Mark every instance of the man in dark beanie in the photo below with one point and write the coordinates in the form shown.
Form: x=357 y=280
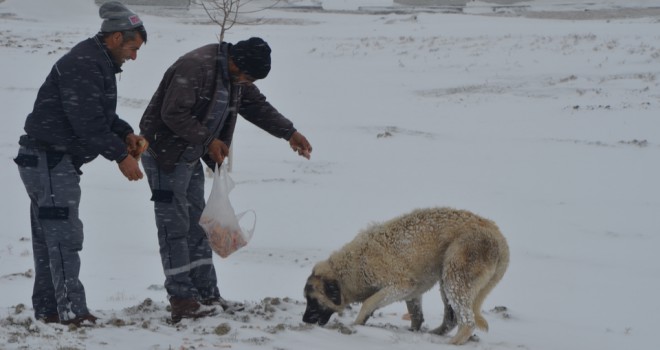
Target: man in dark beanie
x=252 y=57
x=191 y=117
x=73 y=122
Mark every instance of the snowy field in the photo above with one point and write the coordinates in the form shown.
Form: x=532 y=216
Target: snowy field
x=547 y=124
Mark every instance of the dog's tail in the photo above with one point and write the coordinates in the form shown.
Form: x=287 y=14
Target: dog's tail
x=498 y=273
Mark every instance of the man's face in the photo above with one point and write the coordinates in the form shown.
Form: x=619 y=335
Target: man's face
x=242 y=79
x=237 y=77
x=125 y=50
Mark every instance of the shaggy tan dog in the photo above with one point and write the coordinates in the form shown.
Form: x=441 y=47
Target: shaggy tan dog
x=403 y=258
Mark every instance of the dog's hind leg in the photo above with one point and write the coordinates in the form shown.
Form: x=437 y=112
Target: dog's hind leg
x=449 y=321
x=460 y=297
x=468 y=269
x=416 y=315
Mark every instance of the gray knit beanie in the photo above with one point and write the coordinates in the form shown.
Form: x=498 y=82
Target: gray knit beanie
x=117 y=18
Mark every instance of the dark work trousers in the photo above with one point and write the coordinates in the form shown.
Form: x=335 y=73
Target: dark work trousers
x=53 y=186
x=187 y=258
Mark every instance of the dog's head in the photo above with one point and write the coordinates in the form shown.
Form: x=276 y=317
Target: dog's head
x=323 y=297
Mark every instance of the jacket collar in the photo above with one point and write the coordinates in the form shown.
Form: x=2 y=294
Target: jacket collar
x=223 y=64
x=98 y=39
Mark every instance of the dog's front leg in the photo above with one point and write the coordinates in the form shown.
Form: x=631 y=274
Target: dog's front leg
x=383 y=297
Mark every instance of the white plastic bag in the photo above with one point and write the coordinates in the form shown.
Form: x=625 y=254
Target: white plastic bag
x=218 y=219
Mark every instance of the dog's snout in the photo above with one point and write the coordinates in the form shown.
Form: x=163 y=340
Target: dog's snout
x=311 y=316
x=310 y=319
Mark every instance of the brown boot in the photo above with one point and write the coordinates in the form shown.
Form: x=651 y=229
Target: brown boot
x=189 y=308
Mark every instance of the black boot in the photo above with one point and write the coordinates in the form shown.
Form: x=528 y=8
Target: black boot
x=81 y=320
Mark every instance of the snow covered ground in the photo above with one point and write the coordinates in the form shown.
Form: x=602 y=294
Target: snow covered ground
x=547 y=126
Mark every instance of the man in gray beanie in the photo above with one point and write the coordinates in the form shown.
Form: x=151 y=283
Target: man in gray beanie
x=191 y=117
x=121 y=25
x=118 y=18
x=73 y=121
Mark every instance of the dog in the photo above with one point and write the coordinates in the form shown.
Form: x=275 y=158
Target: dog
x=403 y=258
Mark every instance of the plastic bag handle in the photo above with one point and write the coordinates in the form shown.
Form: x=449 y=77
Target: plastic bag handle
x=249 y=232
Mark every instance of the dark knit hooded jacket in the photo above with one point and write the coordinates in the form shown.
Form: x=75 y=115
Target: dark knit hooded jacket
x=75 y=109
x=196 y=102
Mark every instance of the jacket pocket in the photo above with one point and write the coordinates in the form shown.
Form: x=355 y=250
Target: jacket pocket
x=167 y=149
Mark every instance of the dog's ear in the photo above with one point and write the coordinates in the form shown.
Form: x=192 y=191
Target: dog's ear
x=331 y=289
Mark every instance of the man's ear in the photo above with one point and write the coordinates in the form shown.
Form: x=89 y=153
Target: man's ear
x=114 y=40
x=233 y=68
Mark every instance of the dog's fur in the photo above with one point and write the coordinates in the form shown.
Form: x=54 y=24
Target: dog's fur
x=403 y=258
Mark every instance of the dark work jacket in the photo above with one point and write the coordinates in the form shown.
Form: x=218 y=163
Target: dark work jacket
x=196 y=102
x=75 y=108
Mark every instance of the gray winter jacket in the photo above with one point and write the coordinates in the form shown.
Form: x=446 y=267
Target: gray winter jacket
x=196 y=102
